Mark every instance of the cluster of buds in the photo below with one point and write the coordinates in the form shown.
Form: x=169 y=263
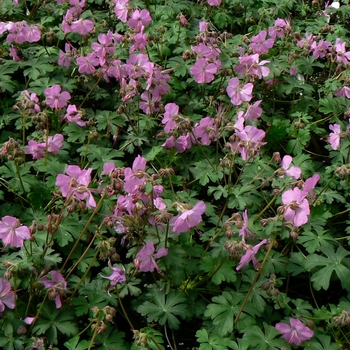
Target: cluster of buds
x=270 y=286
x=343 y=170
x=101 y=316
x=343 y=320
x=235 y=249
x=140 y=338
x=11 y=150
x=53 y=222
x=107 y=251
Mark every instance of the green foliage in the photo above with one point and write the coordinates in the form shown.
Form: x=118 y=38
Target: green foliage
x=164 y=308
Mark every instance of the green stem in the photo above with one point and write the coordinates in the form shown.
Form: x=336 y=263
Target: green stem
x=99 y=204
x=124 y=312
x=255 y=280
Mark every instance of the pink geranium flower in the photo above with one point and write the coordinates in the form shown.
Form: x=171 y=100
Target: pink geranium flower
x=55 y=98
x=146 y=258
x=343 y=91
x=334 y=137
x=214 y=2
x=135 y=176
x=250 y=255
x=292 y=171
x=82 y=26
x=239 y=94
x=189 y=218
x=251 y=140
x=117 y=276
x=7 y=296
x=12 y=233
x=245 y=231
x=56 y=286
x=54 y=143
x=170 y=116
x=37 y=150
x=296 y=333
x=296 y=206
x=260 y=44
x=74 y=115
x=75 y=184
x=342 y=55
x=203 y=71
x=121 y=9
x=139 y=19
x=205 y=130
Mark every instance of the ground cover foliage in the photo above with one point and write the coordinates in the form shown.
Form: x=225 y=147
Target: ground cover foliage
x=174 y=174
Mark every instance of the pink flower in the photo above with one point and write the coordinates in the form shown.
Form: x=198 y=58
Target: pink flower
x=310 y=184
x=296 y=206
x=56 y=286
x=87 y=64
x=182 y=143
x=37 y=150
x=342 y=55
x=244 y=231
x=140 y=42
x=65 y=58
x=203 y=71
x=30 y=33
x=74 y=115
x=205 y=130
x=170 y=116
x=253 y=111
x=203 y=26
x=250 y=255
x=238 y=94
x=135 y=176
x=30 y=101
x=14 y=54
x=251 y=140
x=12 y=232
x=82 y=26
x=251 y=65
x=139 y=19
x=334 y=137
x=292 y=171
x=189 y=218
x=76 y=184
x=117 y=276
x=55 y=143
x=121 y=9
x=296 y=333
x=54 y=98
x=146 y=259
x=321 y=49
x=214 y=2
x=260 y=44
x=277 y=31
x=343 y=91
x=7 y=296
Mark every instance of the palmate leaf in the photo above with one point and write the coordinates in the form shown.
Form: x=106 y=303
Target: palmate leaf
x=164 y=308
x=54 y=321
x=333 y=262
x=220 y=269
x=225 y=308
x=111 y=340
x=264 y=340
x=213 y=341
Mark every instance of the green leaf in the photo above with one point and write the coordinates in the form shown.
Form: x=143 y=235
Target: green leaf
x=221 y=269
x=333 y=262
x=54 y=321
x=205 y=173
x=164 y=308
x=224 y=309
x=264 y=340
x=74 y=344
x=213 y=341
x=111 y=340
